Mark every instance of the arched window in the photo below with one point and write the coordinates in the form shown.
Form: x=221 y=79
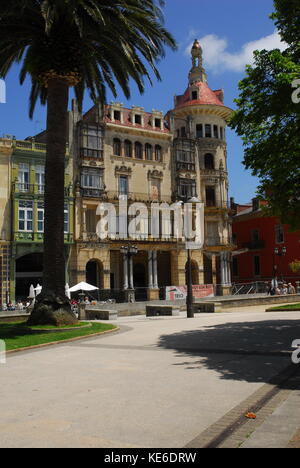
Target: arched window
x=128 y=149
x=117 y=147
x=148 y=151
x=158 y=153
x=138 y=150
x=209 y=161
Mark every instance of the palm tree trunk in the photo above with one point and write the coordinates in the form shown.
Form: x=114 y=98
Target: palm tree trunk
x=52 y=305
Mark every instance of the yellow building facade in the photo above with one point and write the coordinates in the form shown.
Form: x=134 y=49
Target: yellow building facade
x=131 y=156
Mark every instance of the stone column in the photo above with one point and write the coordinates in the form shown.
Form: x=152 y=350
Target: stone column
x=125 y=271
x=131 y=285
x=155 y=281
x=84 y=233
x=150 y=269
x=225 y=274
x=153 y=291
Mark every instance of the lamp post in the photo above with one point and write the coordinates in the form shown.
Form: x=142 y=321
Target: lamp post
x=189 y=296
x=280 y=251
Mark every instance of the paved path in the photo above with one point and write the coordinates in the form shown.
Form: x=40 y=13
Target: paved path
x=160 y=382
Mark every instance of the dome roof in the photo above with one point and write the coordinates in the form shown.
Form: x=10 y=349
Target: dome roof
x=206 y=96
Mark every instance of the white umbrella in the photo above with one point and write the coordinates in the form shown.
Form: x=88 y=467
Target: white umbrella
x=82 y=287
x=68 y=294
x=38 y=289
x=31 y=292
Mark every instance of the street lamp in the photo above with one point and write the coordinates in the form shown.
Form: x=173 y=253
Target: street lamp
x=189 y=296
x=281 y=253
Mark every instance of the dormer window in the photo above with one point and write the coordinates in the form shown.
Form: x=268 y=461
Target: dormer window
x=138 y=119
x=117 y=115
x=194 y=95
x=157 y=123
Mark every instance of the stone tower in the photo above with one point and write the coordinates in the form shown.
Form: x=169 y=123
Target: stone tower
x=198 y=122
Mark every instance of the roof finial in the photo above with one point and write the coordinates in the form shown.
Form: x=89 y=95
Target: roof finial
x=197 y=72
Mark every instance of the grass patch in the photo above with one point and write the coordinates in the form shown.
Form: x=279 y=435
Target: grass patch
x=52 y=327
x=16 y=335
x=285 y=307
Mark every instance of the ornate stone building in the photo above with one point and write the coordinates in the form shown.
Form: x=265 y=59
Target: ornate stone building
x=144 y=157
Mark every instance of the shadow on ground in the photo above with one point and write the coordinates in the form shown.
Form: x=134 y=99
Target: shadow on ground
x=249 y=351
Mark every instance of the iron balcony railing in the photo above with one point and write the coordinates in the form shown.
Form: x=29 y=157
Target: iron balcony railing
x=24 y=187
x=215 y=241
x=91 y=153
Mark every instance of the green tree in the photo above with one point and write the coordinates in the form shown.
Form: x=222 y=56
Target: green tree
x=268 y=119
x=90 y=45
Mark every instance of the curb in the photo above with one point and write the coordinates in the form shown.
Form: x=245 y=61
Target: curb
x=69 y=340
x=231 y=430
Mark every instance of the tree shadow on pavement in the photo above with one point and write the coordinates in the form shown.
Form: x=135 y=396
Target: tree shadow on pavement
x=249 y=351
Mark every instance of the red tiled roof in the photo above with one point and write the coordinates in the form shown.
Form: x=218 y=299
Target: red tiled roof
x=206 y=96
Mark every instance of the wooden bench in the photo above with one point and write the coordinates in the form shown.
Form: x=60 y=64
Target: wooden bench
x=160 y=310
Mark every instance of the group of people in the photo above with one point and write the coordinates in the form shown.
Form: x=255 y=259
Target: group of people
x=280 y=289
x=20 y=305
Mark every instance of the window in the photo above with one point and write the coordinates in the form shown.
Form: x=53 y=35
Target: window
x=157 y=123
x=209 y=161
x=25 y=216
x=210 y=196
x=117 y=147
x=117 y=115
x=256 y=265
x=92 y=178
x=148 y=151
x=186 y=188
x=138 y=119
x=23 y=177
x=40 y=178
x=158 y=153
x=216 y=133
x=208 y=131
x=128 y=149
x=66 y=219
x=279 y=234
x=138 y=150
x=40 y=217
x=255 y=235
x=123 y=185
x=194 y=95
x=199 y=131
x=235 y=266
x=92 y=141
x=183 y=132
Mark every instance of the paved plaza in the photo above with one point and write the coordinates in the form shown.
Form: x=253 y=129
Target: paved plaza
x=165 y=382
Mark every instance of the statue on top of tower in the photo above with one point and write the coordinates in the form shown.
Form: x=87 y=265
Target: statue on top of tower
x=197 y=73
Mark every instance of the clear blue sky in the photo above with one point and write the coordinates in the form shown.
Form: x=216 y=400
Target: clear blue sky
x=228 y=29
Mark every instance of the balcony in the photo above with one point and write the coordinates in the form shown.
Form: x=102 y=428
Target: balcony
x=91 y=192
x=185 y=166
x=215 y=205
x=86 y=153
x=33 y=146
x=34 y=189
x=218 y=241
x=138 y=197
x=23 y=236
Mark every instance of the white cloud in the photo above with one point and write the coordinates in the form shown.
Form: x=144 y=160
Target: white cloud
x=217 y=58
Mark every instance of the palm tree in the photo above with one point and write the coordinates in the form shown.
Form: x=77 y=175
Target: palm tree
x=88 y=45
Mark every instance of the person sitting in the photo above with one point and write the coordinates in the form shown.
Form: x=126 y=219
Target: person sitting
x=86 y=300
x=291 y=289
